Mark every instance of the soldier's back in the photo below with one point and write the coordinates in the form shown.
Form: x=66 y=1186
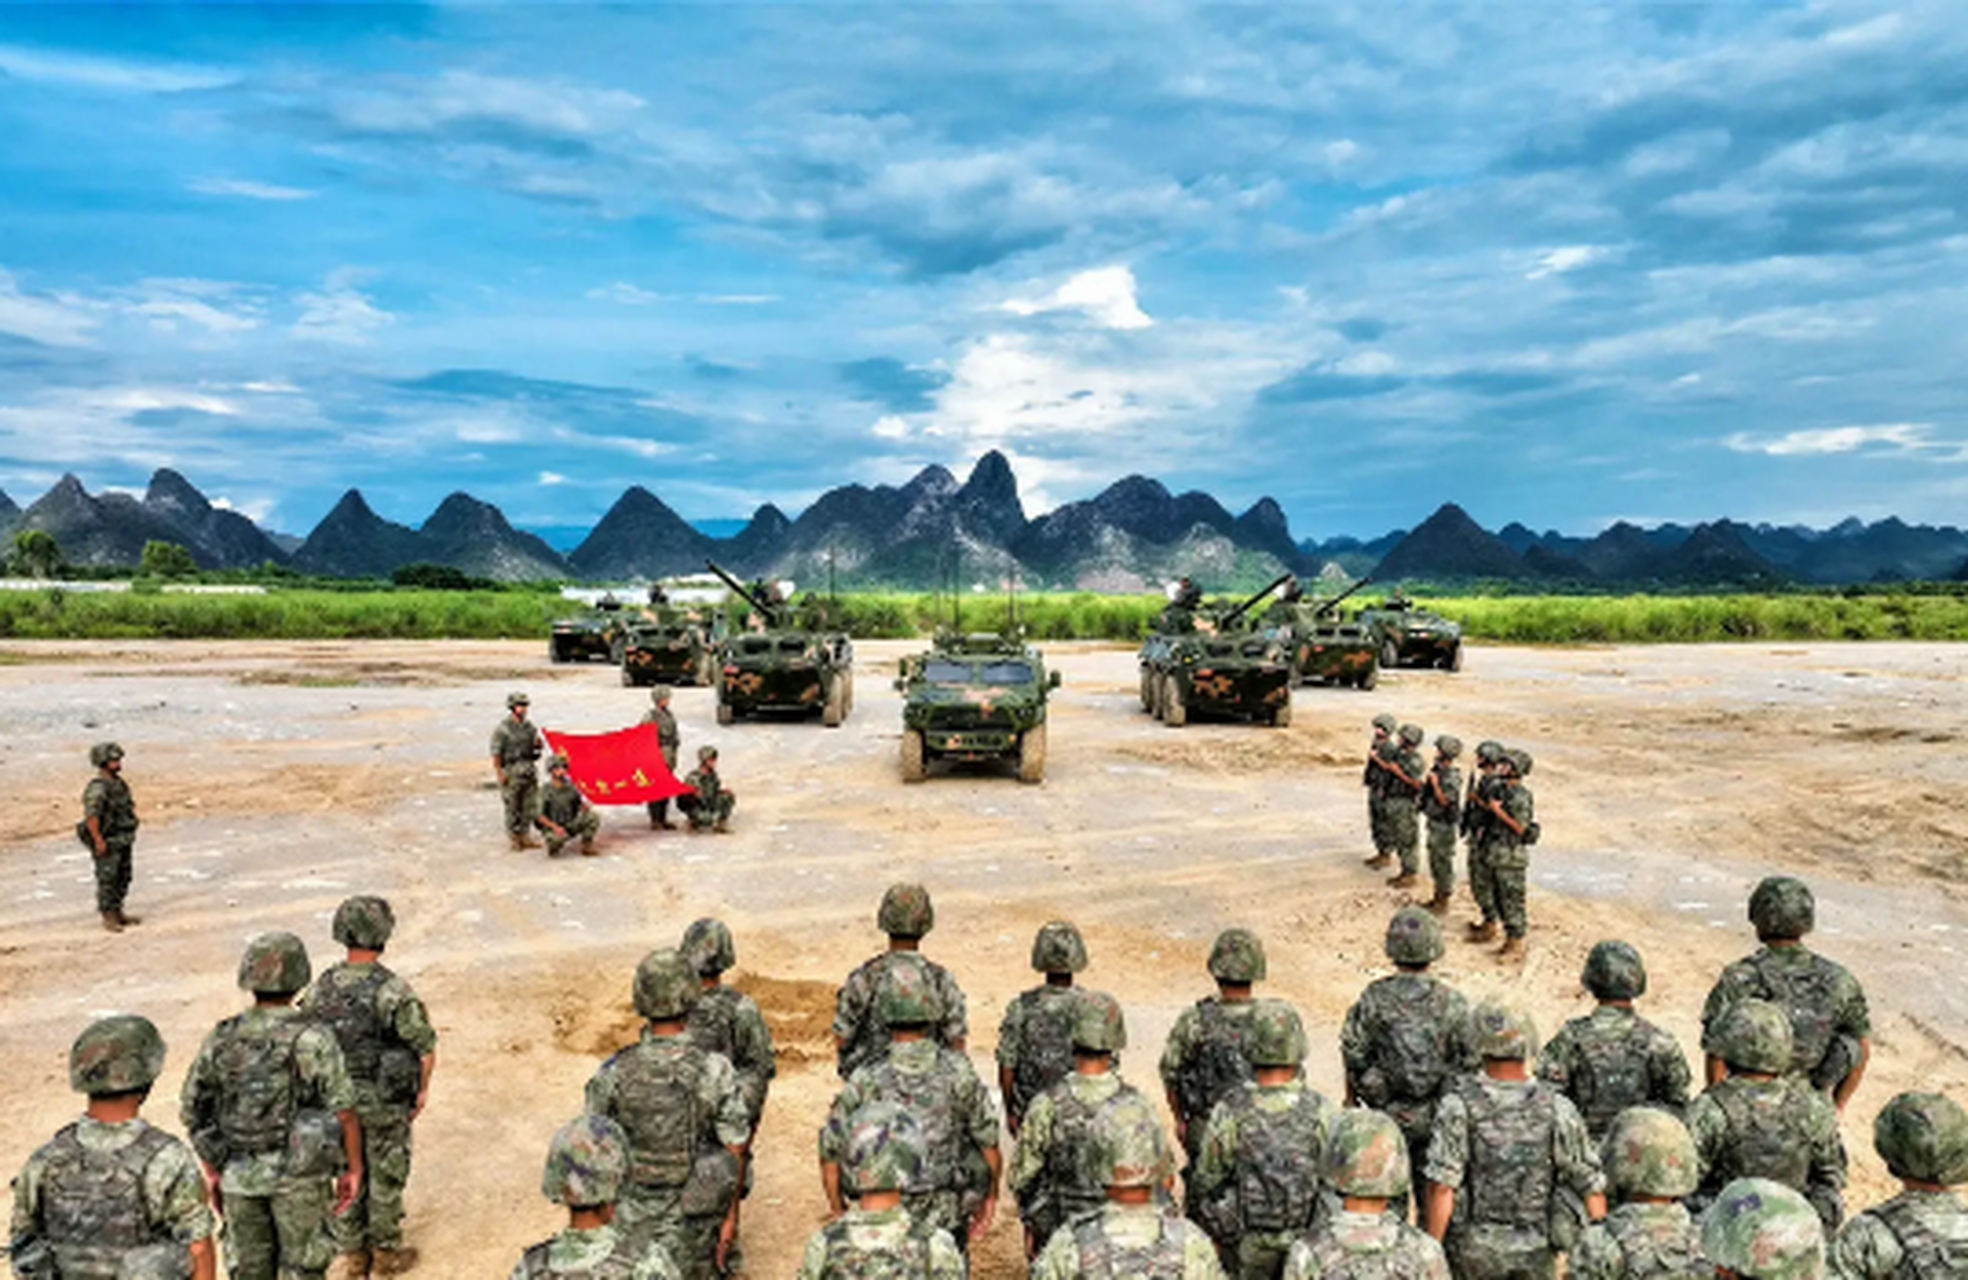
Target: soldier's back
x=1642 y=1242
x=1613 y=1059
x=859 y=1030
x=600 y=1253
x=1129 y=1243
x=1364 y=1246
x=1035 y=1043
x=110 y=1200
x=884 y=1245
x=1917 y=1235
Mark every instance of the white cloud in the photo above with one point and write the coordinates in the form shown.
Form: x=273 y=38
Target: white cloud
x=1893 y=437
x=58 y=320
x=258 y=510
x=78 y=71
x=271 y=387
x=890 y=427
x=145 y=399
x=1570 y=258
x=625 y=293
x=1105 y=295
x=737 y=299
x=340 y=312
x=248 y=190
x=552 y=478
x=167 y=313
x=1366 y=364
x=463 y=97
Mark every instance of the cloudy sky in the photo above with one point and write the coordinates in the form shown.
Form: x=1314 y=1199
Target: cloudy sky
x=1559 y=263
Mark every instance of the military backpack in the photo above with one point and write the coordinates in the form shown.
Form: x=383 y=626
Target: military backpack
x=1647 y=1256
x=258 y=1104
x=620 y=1264
x=1924 y=1253
x=931 y=1097
x=1278 y=1177
x=713 y=1025
x=1609 y=1073
x=1214 y=1066
x=345 y=998
x=1104 y=1258
x=848 y=1259
x=92 y=1209
x=1045 y=1053
x=656 y=1101
x=1766 y=1139
x=1805 y=995
x=1408 y=1050
x=1334 y=1261
x=1511 y=1172
x=1069 y=1185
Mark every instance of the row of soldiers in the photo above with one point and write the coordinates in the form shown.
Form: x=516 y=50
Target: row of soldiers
x=1495 y=815
x=1277 y=1180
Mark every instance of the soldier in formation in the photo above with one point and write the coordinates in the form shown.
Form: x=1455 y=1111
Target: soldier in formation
x=109 y=1195
x=906 y=915
x=1404 y=782
x=1130 y=1235
x=1613 y=1058
x=1205 y=1056
x=1763 y=1230
x=1035 y=1039
x=1648 y=1235
x=1922 y=1233
x=1441 y=805
x=516 y=750
x=882 y=1155
x=271 y=1112
x=708 y=803
x=109 y=829
x=389 y=1049
x=1509 y=830
x=564 y=813
x=1365 y=1162
x=587 y=1166
x=1483 y=788
x=668 y=740
x=725 y=1020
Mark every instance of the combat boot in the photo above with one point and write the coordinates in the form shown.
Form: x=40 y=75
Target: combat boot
x=1438 y=905
x=113 y=921
x=587 y=847
x=1512 y=949
x=1406 y=880
x=353 y=1265
x=393 y=1262
x=126 y=918
x=518 y=842
x=1380 y=860
x=1486 y=931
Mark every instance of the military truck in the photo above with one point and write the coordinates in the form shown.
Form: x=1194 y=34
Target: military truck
x=1213 y=660
x=975 y=697
x=588 y=635
x=1326 y=647
x=773 y=663
x=668 y=644
x=1408 y=636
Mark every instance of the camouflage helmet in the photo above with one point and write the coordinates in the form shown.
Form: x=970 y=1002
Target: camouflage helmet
x=1412 y=734
x=1386 y=723
x=517 y=699
x=885 y=1149
x=1059 y=948
x=1923 y=1137
x=1098 y=1023
x=707 y=945
x=1129 y=1147
x=587 y=1162
x=116 y=1055
x=1504 y=1030
x=1783 y=907
x=558 y=760
x=1414 y=937
x=103 y=752
x=907 y=997
x=1366 y=1156
x=275 y=964
x=906 y=912
x=1237 y=957
x=1449 y=745
x=1615 y=971
x=1274 y=1036
x=707 y=752
x=1764 y=1229
x=666 y=986
x=1753 y=1035
x=661 y=694
x=1520 y=761
x=1650 y=1153
x=1489 y=751
x=364 y=921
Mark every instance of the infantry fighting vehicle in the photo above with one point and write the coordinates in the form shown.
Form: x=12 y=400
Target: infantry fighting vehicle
x=779 y=660
x=669 y=644
x=1213 y=661
x=1412 y=637
x=975 y=697
x=584 y=636
x=1326 y=647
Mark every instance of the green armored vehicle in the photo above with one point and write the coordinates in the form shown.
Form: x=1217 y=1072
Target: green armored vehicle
x=1326 y=647
x=667 y=644
x=1412 y=637
x=973 y=698
x=585 y=636
x=779 y=662
x=1209 y=659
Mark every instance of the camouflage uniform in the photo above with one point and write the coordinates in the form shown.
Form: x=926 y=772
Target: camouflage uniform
x=110 y=1199
x=884 y=1151
x=1613 y=1058
x=1051 y=1171
x=727 y=1021
x=1403 y=800
x=562 y=804
x=906 y=912
x=1129 y=1240
x=1366 y=1158
x=107 y=799
x=1204 y=1056
x=1478 y=825
x=1648 y=1153
x=1374 y=779
x=709 y=805
x=585 y=1167
x=1444 y=816
x=1509 y=853
x=1035 y=1038
x=1920 y=1234
x=277 y=1215
x=668 y=740
x=1766 y=1230
x=516 y=745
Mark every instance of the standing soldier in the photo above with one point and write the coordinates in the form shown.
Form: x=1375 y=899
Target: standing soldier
x=110 y=1195
x=708 y=804
x=1259 y=1183
x=1512 y=1173
x=1406 y=1039
x=109 y=828
x=1205 y=1057
x=271 y=1112
x=1366 y=1163
x=1476 y=825
x=1049 y=1170
x=1649 y=1235
x=686 y=1122
x=1762 y=1230
x=1374 y=779
x=1830 y=1026
x=565 y=813
x=1129 y=1235
x=1441 y=803
x=727 y=1021
x=668 y=739
x=1923 y=1231
x=882 y=1157
x=1758 y=1122
x=906 y=915
x=1512 y=829
x=1404 y=776
x=1035 y=1040
x=586 y=1164
x=1613 y=1058
x=516 y=748
x=390 y=1050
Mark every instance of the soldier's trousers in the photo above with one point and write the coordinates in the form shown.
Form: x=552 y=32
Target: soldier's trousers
x=521 y=793
x=585 y=827
x=654 y=1213
x=283 y=1236
x=703 y=815
x=1482 y=881
x=1404 y=833
x=1377 y=823
x=1509 y=869
x=1474 y=1259
x=113 y=875
x=375 y=1220
x=1442 y=855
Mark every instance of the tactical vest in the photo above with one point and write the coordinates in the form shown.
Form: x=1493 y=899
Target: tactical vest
x=931 y=1097
x=1278 y=1178
x=1334 y=1261
x=259 y=1083
x=1214 y=1066
x=1104 y=1258
x=1070 y=1185
x=1408 y=1051
x=346 y=1001
x=1609 y=1072
x=118 y=820
x=1805 y=995
x=846 y=1259
x=1645 y=1256
x=1512 y=1143
x=713 y=1025
x=92 y=1205
x=1451 y=785
x=1924 y=1253
x=1046 y=1054
x=1767 y=1124
x=620 y=1264
x=656 y=1100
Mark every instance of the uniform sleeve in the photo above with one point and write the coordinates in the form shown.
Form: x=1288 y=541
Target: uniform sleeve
x=1059 y=1260
x=1854 y=1017
x=1176 y=1051
x=656 y=1264
x=945 y=1262
x=833 y=1132
x=26 y=1223
x=1299 y=1264
x=1554 y=1065
x=1011 y=1034
x=1034 y=1136
x=498 y=750
x=174 y=1191
x=1448 y=1142
x=599 y=1097
x=1217 y=1159
x=1354 y=1046
x=95 y=800
x=1709 y=1128
x=956 y=1017
x=1825 y=1183
x=813 y=1263
x=1667 y=1070
x=752 y=1054
x=1437 y=1265
x=980 y=1117
x=727 y=1101
x=197 y=1085
x=1864 y=1249
x=1460 y=1049
x=1596 y=1257
x=1728 y=989
x=851 y=1006
x=1199 y=1259
x=408 y=1017
x=318 y=1058
x=1577 y=1156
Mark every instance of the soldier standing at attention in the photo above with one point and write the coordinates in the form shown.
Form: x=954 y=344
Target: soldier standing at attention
x=516 y=748
x=1923 y=1231
x=668 y=739
x=1513 y=830
x=1649 y=1235
x=709 y=804
x=271 y=1112
x=1405 y=779
x=586 y=1164
x=1441 y=803
x=1762 y=1230
x=109 y=827
x=1512 y=1172
x=906 y=915
x=686 y=1122
x=882 y=1156
x=110 y=1195
x=1205 y=1057
x=1035 y=1040
x=1130 y=1235
x=1374 y=779
x=1830 y=1026
x=1476 y=824
x=390 y=1050
x=1613 y=1058
x=565 y=813
x=1259 y=1184
x=1366 y=1164
x=727 y=1021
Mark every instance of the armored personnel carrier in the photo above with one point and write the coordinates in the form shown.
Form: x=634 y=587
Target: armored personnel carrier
x=1326 y=647
x=1413 y=637
x=1212 y=660
x=774 y=663
x=588 y=635
x=669 y=644
x=975 y=697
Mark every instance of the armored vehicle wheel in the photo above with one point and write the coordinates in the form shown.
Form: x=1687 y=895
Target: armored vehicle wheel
x=1174 y=714
x=1454 y=661
x=848 y=679
x=725 y=715
x=1032 y=754
x=629 y=680
x=1390 y=654
x=915 y=763
x=835 y=709
x=1366 y=683
x=1147 y=691
x=556 y=653
x=1281 y=716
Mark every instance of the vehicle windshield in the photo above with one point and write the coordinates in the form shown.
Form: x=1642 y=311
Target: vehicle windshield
x=792 y=646
x=757 y=644
x=1006 y=673
x=942 y=671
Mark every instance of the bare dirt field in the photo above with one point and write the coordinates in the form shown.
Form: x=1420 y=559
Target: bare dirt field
x=274 y=780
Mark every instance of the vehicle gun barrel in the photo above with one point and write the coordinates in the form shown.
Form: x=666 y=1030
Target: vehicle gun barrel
x=1251 y=603
x=1327 y=606
x=766 y=611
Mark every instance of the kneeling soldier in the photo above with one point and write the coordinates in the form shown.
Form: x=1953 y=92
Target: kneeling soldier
x=708 y=803
x=565 y=813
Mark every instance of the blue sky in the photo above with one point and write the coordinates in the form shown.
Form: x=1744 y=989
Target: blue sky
x=1565 y=264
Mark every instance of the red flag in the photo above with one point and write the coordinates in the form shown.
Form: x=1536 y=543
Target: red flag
x=623 y=767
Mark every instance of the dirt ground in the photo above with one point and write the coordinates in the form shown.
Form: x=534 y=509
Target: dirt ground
x=274 y=780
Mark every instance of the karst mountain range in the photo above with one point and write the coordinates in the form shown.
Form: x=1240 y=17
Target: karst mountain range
x=1133 y=535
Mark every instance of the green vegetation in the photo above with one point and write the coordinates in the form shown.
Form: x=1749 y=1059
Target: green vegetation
x=1889 y=615
x=166 y=560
